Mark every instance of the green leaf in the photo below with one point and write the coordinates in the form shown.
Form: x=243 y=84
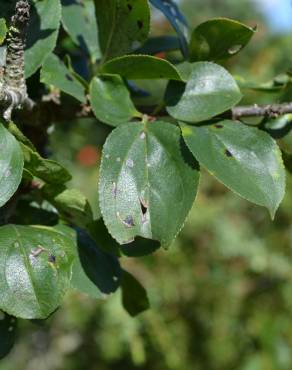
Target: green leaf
x=3 y=30
x=278 y=127
x=100 y=234
x=68 y=63
x=7 y=333
x=11 y=165
x=218 y=39
x=138 y=248
x=45 y=169
x=42 y=33
x=35 y=270
x=122 y=24
x=245 y=159
x=210 y=90
x=73 y=206
x=144 y=173
x=32 y=213
x=287 y=158
x=95 y=272
x=141 y=67
x=278 y=83
x=110 y=100
x=134 y=295
x=79 y=21
x=185 y=70
x=54 y=72
x=159 y=44
x=18 y=134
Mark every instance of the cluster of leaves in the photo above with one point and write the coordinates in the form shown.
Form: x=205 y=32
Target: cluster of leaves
x=150 y=167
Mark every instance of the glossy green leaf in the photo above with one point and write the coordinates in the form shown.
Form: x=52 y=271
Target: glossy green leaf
x=144 y=173
x=7 y=333
x=11 y=165
x=42 y=33
x=79 y=21
x=35 y=270
x=218 y=39
x=210 y=90
x=95 y=272
x=55 y=73
x=134 y=295
x=45 y=169
x=142 y=67
x=245 y=159
x=3 y=30
x=110 y=100
x=122 y=24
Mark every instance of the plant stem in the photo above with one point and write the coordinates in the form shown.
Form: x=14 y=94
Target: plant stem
x=268 y=111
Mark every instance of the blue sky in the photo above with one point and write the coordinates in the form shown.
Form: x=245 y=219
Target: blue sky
x=278 y=14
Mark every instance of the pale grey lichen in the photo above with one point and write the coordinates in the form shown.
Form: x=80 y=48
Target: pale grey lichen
x=13 y=91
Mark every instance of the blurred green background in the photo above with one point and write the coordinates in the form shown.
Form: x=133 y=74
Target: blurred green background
x=221 y=296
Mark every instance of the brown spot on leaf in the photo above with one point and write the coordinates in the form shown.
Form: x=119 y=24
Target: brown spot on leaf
x=218 y=125
x=115 y=189
x=130 y=7
x=140 y=24
x=37 y=251
x=129 y=222
x=52 y=258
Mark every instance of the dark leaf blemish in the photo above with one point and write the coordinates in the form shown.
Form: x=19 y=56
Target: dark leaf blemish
x=140 y=24
x=37 y=251
x=128 y=221
x=228 y=153
x=52 y=258
x=218 y=125
x=115 y=190
x=69 y=78
x=143 y=206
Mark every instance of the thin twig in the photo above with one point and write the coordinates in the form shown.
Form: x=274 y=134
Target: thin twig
x=268 y=111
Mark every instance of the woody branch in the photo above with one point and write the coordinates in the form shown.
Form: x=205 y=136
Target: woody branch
x=13 y=91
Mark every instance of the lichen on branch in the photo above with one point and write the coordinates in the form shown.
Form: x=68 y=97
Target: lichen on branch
x=13 y=91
